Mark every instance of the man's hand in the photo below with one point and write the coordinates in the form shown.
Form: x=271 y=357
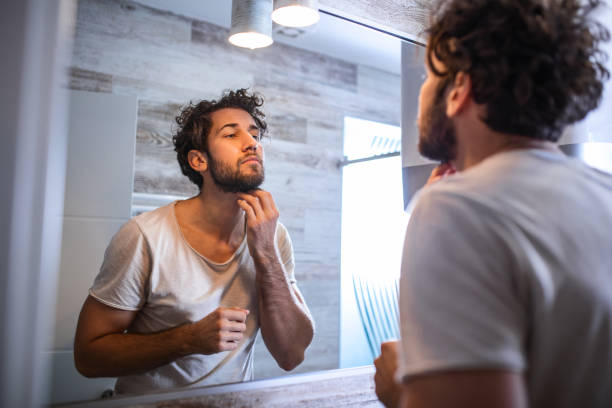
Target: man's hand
x=262 y=216
x=387 y=390
x=439 y=172
x=220 y=331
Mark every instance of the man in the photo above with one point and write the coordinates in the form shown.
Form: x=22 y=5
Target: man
x=506 y=281
x=184 y=289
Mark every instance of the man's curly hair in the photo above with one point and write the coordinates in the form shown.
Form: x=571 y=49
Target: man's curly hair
x=194 y=125
x=535 y=65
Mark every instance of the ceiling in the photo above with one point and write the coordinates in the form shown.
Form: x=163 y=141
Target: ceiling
x=331 y=36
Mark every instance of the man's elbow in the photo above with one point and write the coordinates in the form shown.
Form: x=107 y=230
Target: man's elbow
x=84 y=367
x=293 y=358
x=289 y=362
x=84 y=370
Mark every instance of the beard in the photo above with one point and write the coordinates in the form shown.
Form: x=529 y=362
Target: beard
x=437 y=137
x=231 y=180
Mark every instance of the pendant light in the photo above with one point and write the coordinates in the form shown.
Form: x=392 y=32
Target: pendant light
x=251 y=24
x=295 y=13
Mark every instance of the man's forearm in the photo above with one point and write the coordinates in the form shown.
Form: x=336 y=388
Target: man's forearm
x=286 y=325
x=120 y=354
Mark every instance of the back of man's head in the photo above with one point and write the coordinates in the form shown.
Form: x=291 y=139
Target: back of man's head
x=534 y=64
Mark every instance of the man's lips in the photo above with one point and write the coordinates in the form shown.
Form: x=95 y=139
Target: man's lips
x=252 y=159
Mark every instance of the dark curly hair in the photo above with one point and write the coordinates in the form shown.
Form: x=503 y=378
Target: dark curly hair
x=194 y=125
x=535 y=65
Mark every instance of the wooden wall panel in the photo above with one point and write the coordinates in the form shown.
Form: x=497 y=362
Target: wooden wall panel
x=167 y=61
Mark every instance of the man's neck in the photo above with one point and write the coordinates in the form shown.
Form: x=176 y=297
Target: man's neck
x=214 y=212
x=476 y=142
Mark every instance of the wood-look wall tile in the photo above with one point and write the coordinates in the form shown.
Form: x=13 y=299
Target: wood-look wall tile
x=279 y=59
x=128 y=19
x=287 y=127
x=376 y=83
x=86 y=80
x=327 y=133
x=155 y=91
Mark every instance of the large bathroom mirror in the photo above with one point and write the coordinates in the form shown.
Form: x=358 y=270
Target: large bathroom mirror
x=333 y=105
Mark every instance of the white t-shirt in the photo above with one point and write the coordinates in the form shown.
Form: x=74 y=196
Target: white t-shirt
x=149 y=267
x=509 y=265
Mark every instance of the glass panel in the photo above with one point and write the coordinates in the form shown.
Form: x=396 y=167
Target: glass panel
x=373 y=225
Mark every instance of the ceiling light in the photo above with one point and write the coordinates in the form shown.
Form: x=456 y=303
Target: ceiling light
x=251 y=24
x=295 y=13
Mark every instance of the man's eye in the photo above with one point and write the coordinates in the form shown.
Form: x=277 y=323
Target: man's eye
x=230 y=135
x=257 y=137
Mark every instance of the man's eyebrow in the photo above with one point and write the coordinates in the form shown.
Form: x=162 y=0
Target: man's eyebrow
x=232 y=125
x=235 y=125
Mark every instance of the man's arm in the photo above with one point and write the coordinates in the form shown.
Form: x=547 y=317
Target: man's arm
x=103 y=349
x=466 y=389
x=456 y=389
x=286 y=326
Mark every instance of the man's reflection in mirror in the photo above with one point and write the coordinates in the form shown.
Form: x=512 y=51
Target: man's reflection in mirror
x=184 y=289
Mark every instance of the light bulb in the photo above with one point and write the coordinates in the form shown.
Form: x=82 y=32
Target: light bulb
x=295 y=15
x=250 y=40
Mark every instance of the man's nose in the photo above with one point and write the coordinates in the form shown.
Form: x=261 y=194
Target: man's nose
x=252 y=142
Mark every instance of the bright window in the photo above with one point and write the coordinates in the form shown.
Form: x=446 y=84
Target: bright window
x=373 y=224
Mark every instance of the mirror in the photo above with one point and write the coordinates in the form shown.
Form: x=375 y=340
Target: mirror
x=135 y=64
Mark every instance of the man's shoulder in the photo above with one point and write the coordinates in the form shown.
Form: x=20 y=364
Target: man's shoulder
x=153 y=220
x=502 y=180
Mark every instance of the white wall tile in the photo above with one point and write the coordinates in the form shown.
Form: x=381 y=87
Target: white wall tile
x=83 y=244
x=67 y=385
x=100 y=165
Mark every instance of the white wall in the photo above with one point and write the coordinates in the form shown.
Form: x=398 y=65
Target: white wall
x=99 y=184
x=34 y=38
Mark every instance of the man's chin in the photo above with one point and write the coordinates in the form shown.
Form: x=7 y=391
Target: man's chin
x=247 y=184
x=437 y=151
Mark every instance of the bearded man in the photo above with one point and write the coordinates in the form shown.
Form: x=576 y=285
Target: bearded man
x=506 y=277
x=184 y=289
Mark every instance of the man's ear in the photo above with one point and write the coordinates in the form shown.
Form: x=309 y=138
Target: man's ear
x=197 y=160
x=459 y=95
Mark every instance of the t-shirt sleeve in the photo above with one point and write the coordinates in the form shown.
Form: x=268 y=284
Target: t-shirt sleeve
x=459 y=307
x=123 y=277
x=285 y=250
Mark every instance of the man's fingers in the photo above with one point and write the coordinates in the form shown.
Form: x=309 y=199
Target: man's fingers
x=389 y=346
x=247 y=311
x=439 y=172
x=228 y=346
x=250 y=213
x=232 y=336
x=234 y=314
x=377 y=363
x=266 y=200
x=234 y=327
x=253 y=202
x=441 y=169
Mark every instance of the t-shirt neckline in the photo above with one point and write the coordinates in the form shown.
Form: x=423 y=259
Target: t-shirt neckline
x=237 y=252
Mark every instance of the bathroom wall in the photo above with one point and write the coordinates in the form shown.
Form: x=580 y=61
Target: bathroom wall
x=98 y=198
